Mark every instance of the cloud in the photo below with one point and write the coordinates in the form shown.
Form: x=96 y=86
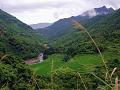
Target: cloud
x=36 y=11
x=21 y=7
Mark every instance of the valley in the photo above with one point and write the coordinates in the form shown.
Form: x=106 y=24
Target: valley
x=67 y=55
x=77 y=52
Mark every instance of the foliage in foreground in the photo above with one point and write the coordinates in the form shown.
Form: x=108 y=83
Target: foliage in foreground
x=14 y=74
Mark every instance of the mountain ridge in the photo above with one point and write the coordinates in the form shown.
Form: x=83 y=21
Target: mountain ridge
x=104 y=29
x=40 y=25
x=97 y=11
x=17 y=37
x=62 y=26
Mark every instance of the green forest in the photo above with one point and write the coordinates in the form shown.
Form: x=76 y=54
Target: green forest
x=84 y=56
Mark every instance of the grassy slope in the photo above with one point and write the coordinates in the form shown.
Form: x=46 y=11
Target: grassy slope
x=82 y=63
x=45 y=67
x=85 y=63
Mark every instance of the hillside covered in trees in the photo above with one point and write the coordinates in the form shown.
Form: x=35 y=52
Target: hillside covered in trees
x=73 y=59
x=17 y=42
x=17 y=37
x=74 y=55
x=105 y=29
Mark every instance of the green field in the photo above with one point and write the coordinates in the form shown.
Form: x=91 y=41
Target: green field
x=81 y=63
x=45 y=67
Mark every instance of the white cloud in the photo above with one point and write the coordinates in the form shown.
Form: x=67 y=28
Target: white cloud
x=36 y=11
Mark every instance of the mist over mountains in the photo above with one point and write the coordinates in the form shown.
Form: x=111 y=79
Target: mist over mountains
x=63 y=26
x=97 y=11
x=72 y=58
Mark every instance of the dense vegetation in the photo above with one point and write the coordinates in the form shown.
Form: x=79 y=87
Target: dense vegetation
x=17 y=37
x=17 y=42
x=71 y=62
x=79 y=54
x=14 y=74
x=65 y=74
x=105 y=30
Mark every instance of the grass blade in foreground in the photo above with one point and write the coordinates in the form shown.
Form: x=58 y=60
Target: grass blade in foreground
x=77 y=25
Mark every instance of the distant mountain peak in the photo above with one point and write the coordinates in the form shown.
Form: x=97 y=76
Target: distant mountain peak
x=40 y=25
x=97 y=11
x=103 y=7
x=63 y=26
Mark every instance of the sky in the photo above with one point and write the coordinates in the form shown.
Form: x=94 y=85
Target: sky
x=42 y=11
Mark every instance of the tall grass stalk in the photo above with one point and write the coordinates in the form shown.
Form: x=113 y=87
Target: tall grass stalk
x=77 y=82
x=101 y=88
x=101 y=80
x=81 y=28
x=6 y=55
x=116 y=83
x=82 y=80
x=52 y=74
x=112 y=74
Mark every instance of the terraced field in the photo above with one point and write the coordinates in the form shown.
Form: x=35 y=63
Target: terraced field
x=81 y=63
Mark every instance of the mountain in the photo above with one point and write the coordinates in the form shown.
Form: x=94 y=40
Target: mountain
x=97 y=11
x=63 y=26
x=17 y=37
x=40 y=25
x=17 y=43
x=104 y=29
x=75 y=54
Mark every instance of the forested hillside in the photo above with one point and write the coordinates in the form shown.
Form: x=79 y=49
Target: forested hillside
x=86 y=58
x=63 y=26
x=17 y=43
x=76 y=62
x=105 y=29
x=17 y=37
